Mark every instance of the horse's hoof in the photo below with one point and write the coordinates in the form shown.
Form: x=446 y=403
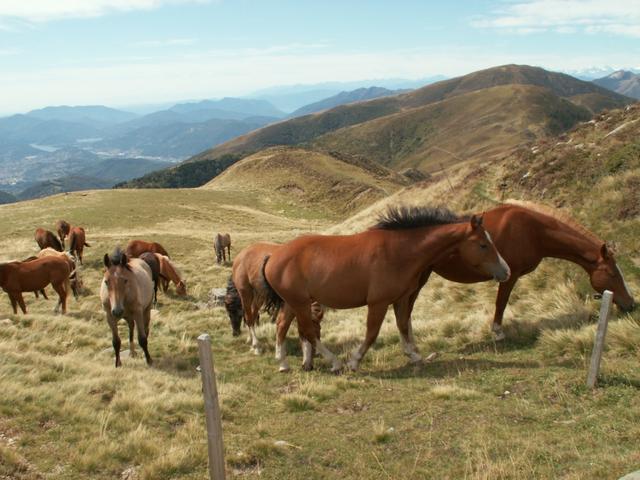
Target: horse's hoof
x=432 y=356
x=416 y=358
x=499 y=336
x=284 y=369
x=256 y=350
x=307 y=367
x=353 y=366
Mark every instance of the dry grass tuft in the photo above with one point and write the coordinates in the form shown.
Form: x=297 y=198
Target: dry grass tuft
x=453 y=392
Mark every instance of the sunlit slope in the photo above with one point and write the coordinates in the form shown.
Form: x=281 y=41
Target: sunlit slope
x=309 y=179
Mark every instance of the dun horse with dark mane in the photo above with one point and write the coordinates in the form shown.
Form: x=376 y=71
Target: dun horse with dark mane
x=377 y=268
x=63 y=228
x=220 y=242
x=127 y=292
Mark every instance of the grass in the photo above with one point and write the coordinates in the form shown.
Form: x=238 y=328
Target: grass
x=67 y=413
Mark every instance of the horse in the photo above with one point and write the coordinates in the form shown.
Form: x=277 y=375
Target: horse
x=220 y=242
x=33 y=276
x=77 y=242
x=169 y=272
x=75 y=279
x=246 y=294
x=127 y=292
x=46 y=239
x=135 y=248
x=154 y=265
x=379 y=267
x=524 y=233
x=63 y=229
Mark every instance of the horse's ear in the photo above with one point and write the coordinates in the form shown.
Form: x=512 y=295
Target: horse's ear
x=124 y=260
x=107 y=260
x=476 y=221
x=604 y=252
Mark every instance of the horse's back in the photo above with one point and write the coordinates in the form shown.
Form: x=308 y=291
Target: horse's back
x=144 y=278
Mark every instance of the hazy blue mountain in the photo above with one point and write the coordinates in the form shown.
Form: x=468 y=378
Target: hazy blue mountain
x=83 y=114
x=71 y=183
x=292 y=97
x=343 y=98
x=247 y=107
x=6 y=198
x=623 y=82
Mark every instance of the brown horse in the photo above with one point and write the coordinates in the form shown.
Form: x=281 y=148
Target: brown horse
x=33 y=276
x=246 y=295
x=75 y=278
x=77 y=242
x=220 y=242
x=127 y=292
x=135 y=248
x=63 y=229
x=152 y=261
x=525 y=233
x=46 y=239
x=169 y=272
x=377 y=268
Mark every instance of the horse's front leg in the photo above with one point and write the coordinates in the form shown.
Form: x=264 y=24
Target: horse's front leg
x=20 y=300
x=504 y=292
x=14 y=303
x=115 y=338
x=403 y=309
x=142 y=321
x=310 y=332
x=132 y=345
x=375 y=317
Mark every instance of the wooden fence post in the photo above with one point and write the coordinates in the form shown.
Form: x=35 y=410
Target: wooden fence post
x=598 y=345
x=212 y=409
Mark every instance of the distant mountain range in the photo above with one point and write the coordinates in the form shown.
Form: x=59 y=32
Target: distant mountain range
x=470 y=118
x=343 y=98
x=622 y=81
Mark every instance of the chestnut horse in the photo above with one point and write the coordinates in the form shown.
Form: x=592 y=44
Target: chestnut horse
x=524 y=233
x=74 y=277
x=377 y=268
x=135 y=248
x=246 y=294
x=63 y=229
x=46 y=239
x=33 y=276
x=169 y=272
x=127 y=292
x=220 y=242
x=77 y=242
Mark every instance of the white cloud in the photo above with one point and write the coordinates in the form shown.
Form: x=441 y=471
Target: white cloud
x=46 y=10
x=619 y=17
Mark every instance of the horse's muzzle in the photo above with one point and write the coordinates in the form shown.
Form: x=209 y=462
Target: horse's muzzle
x=117 y=312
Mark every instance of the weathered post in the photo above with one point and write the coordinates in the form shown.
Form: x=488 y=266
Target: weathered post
x=212 y=409
x=598 y=345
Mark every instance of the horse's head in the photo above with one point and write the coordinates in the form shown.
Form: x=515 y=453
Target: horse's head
x=607 y=276
x=181 y=288
x=479 y=252
x=233 y=306
x=116 y=279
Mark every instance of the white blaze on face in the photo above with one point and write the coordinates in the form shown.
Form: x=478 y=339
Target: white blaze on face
x=503 y=265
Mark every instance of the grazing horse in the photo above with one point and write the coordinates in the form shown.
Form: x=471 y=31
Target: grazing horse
x=377 y=268
x=63 y=229
x=135 y=248
x=77 y=242
x=127 y=292
x=74 y=277
x=154 y=265
x=220 y=242
x=33 y=276
x=524 y=233
x=246 y=294
x=46 y=239
x=169 y=272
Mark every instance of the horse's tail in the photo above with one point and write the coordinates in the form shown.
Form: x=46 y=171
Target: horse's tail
x=86 y=244
x=273 y=301
x=72 y=242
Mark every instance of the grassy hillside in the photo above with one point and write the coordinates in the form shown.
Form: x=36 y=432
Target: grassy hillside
x=515 y=409
x=309 y=179
x=475 y=126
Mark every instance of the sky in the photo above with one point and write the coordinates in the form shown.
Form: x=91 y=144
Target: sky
x=130 y=52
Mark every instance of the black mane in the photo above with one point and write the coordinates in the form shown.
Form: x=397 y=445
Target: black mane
x=117 y=256
x=405 y=217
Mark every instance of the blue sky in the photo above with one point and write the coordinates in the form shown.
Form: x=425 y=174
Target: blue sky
x=120 y=52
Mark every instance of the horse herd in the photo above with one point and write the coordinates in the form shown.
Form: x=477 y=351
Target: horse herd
x=386 y=265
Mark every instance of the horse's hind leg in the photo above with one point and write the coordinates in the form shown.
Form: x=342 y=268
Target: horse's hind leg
x=44 y=294
x=141 y=320
x=283 y=322
x=375 y=317
x=309 y=331
x=62 y=293
x=402 y=309
x=14 y=303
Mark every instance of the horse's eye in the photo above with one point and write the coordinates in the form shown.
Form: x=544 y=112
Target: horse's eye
x=106 y=282
x=484 y=246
